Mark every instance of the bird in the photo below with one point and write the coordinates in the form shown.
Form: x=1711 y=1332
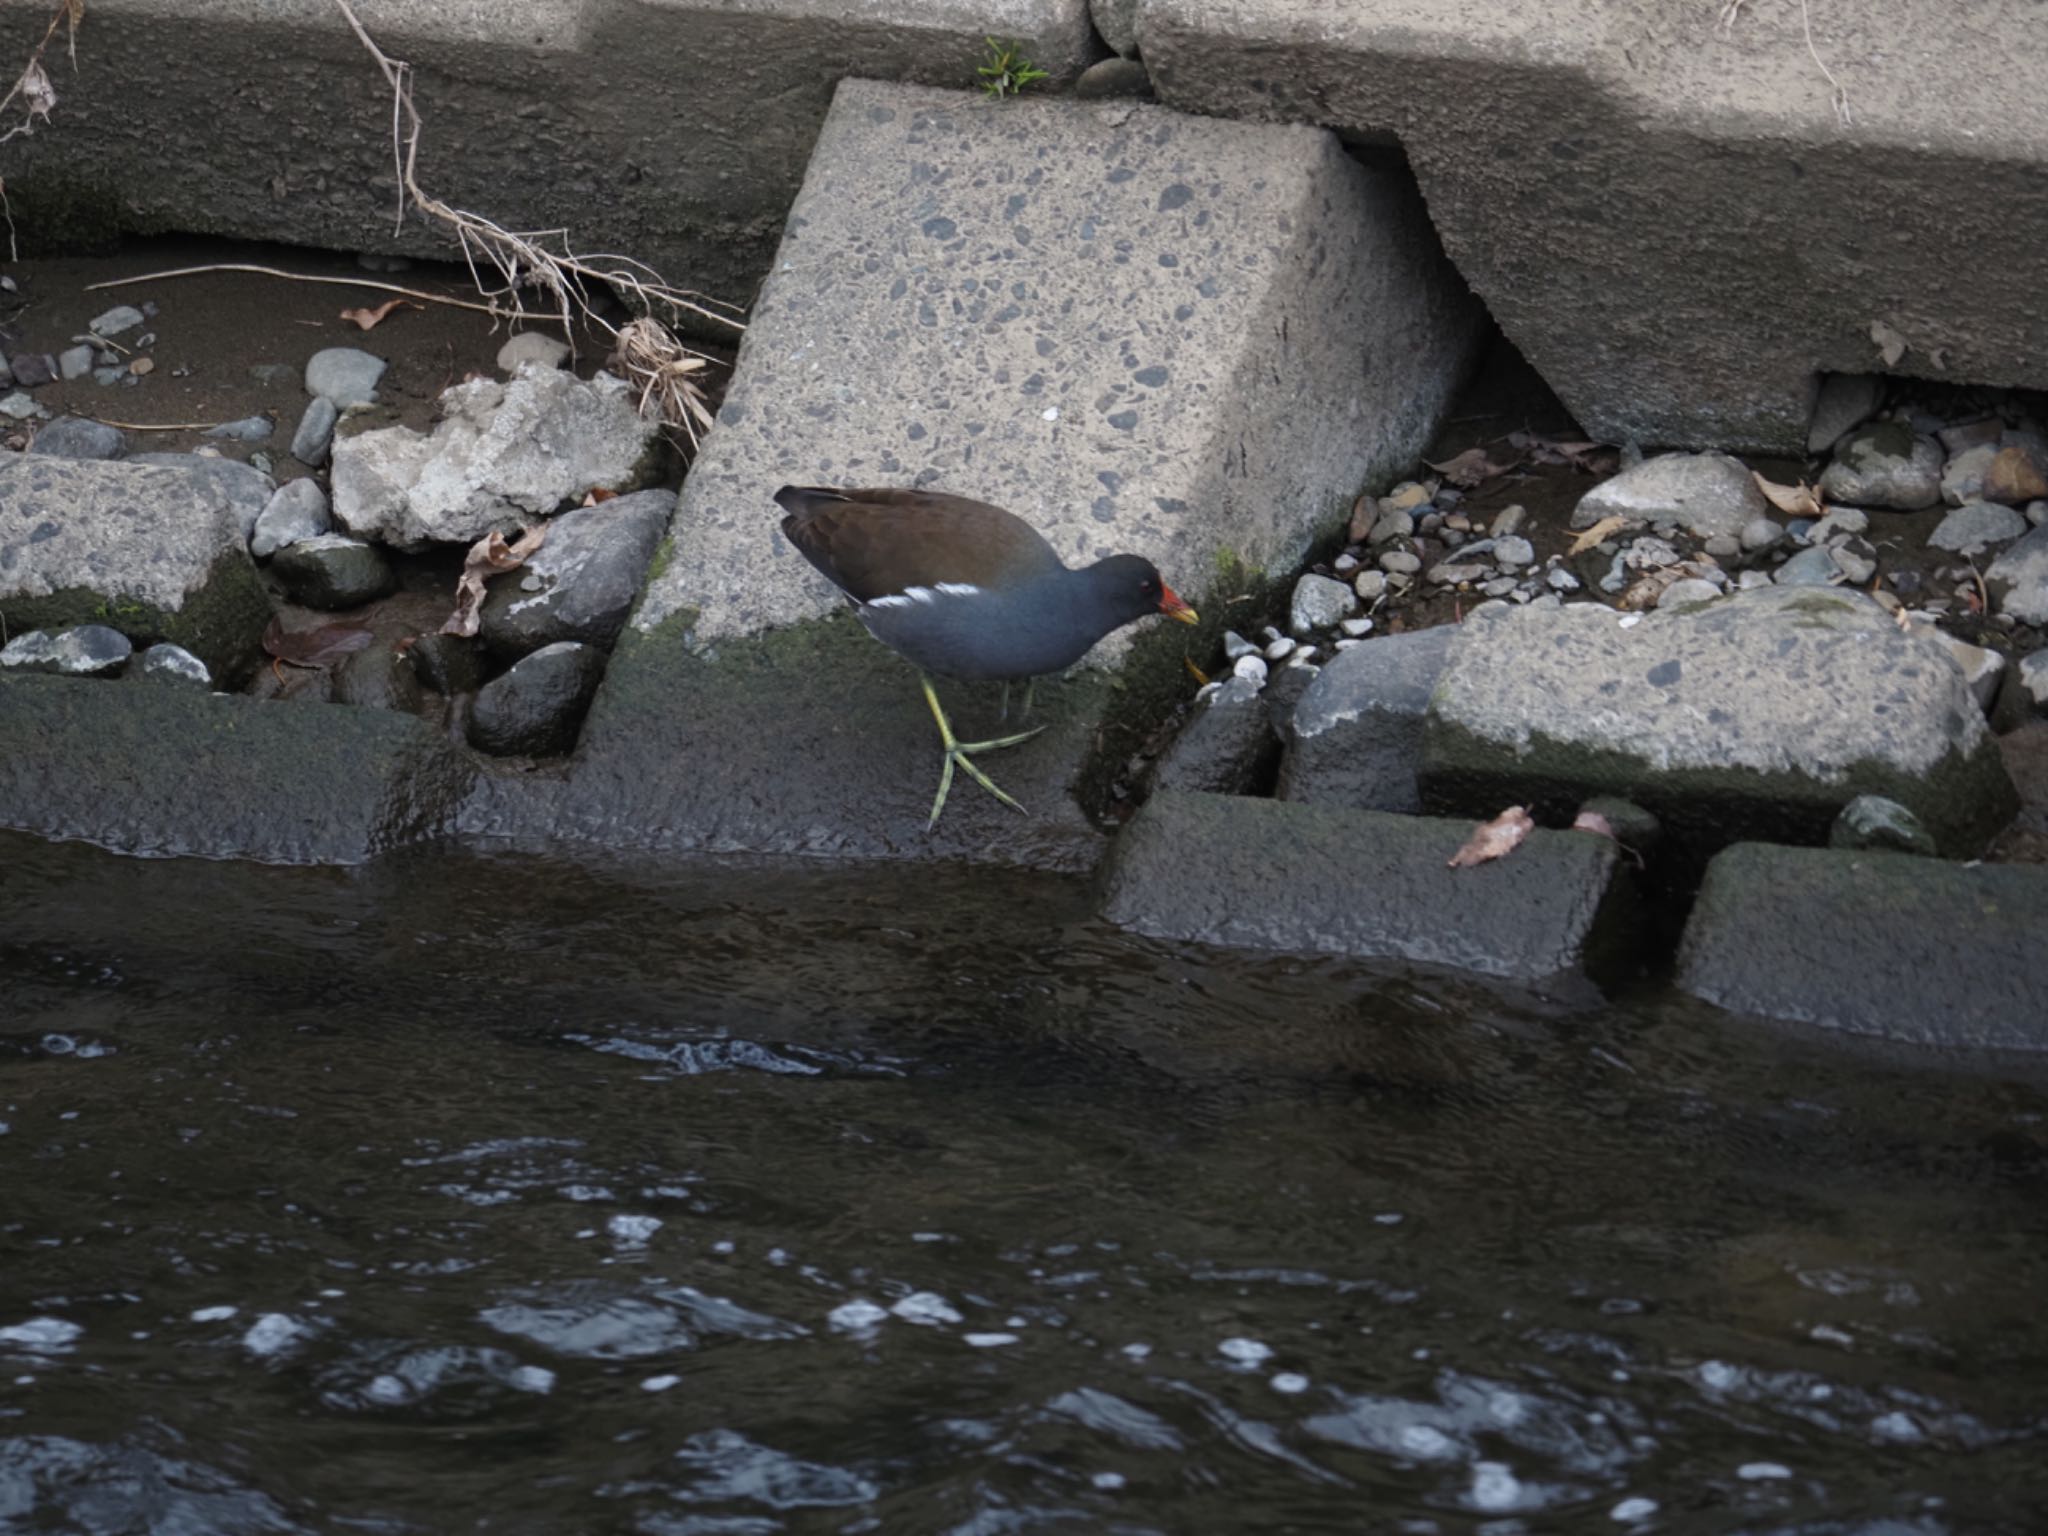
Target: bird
x=966 y=590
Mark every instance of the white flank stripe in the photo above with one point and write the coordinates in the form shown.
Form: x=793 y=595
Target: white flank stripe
x=910 y=595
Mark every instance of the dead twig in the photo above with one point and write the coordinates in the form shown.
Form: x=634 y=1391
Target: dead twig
x=309 y=277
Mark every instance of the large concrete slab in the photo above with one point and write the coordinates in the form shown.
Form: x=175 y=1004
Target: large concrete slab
x=1757 y=716
x=1241 y=873
x=149 y=769
x=1667 y=214
x=672 y=130
x=1139 y=330
x=1883 y=944
x=159 y=552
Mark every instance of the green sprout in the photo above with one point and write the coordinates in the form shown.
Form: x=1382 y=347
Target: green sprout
x=1006 y=71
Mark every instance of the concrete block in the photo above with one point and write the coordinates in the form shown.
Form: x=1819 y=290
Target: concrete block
x=178 y=771
x=1882 y=944
x=158 y=552
x=1138 y=330
x=1240 y=873
x=1226 y=747
x=686 y=158
x=1666 y=214
x=1758 y=716
x=1356 y=738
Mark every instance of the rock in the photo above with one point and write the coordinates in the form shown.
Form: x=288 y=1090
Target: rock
x=2017 y=473
x=168 y=663
x=1692 y=589
x=87 y=650
x=178 y=771
x=331 y=571
x=1508 y=520
x=249 y=429
x=74 y=363
x=2024 y=696
x=1117 y=21
x=1703 y=493
x=1871 y=821
x=1983 y=670
x=345 y=375
x=1962 y=480
x=1370 y=585
x=377 y=677
x=1390 y=527
x=1887 y=964
x=1966 y=435
x=21 y=407
x=316 y=431
x=1884 y=465
x=1513 y=552
x=32 y=370
x=1558 y=579
x=1251 y=668
x=1355 y=738
x=159 y=552
x=1227 y=746
x=1237 y=872
x=1400 y=561
x=1814 y=567
x=1975 y=524
x=501 y=455
x=2037 y=513
x=535 y=708
x=583 y=581
x=448 y=664
x=72 y=437
x=122 y=317
x=1319 y=603
x=243 y=487
x=1114 y=77
x=296 y=510
x=1723 y=547
x=1855 y=559
x=1235 y=645
x=1845 y=400
x=1546 y=707
x=1451 y=573
x=536 y=347
x=1840 y=520
x=2018 y=579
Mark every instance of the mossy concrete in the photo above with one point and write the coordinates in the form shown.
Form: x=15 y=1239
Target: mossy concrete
x=151 y=770
x=1913 y=950
x=1243 y=873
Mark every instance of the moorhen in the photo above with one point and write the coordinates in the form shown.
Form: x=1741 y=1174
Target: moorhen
x=966 y=590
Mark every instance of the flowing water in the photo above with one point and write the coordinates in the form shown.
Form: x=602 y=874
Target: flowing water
x=478 y=1192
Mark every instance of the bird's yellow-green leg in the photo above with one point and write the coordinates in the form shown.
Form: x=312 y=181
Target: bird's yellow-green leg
x=956 y=752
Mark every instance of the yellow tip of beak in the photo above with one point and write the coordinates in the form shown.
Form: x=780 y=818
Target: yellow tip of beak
x=1184 y=614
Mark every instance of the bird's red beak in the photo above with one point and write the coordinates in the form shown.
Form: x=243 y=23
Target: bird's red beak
x=1174 y=606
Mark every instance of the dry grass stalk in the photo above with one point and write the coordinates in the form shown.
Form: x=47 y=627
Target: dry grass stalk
x=543 y=261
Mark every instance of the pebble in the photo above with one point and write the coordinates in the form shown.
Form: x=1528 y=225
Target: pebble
x=1344 y=564
x=21 y=407
x=1244 y=1351
x=296 y=510
x=1749 y=581
x=1450 y=573
x=1251 y=666
x=122 y=317
x=1842 y=520
x=250 y=429
x=86 y=650
x=167 y=663
x=1391 y=526
x=1650 y=553
x=1356 y=627
x=1558 y=579
x=1631 y=1511
x=536 y=347
x=1723 y=547
x=1235 y=645
x=1761 y=533
x=1508 y=520
x=1405 y=497
x=1693 y=589
x=331 y=571
x=1885 y=465
x=74 y=362
x=346 y=375
x=1395 y=561
x=1370 y=585
x=1854 y=557
x=1512 y=552
x=1303 y=656
x=1962 y=479
x=1278 y=650
x=73 y=437
x=316 y=431
x=1500 y=586
x=1318 y=603
x=1810 y=568
x=33 y=369
x=1975 y=524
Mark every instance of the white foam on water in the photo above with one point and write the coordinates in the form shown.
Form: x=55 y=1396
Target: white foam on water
x=928 y=1309
x=856 y=1316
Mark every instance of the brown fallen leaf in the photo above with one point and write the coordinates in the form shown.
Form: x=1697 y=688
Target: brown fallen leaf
x=1606 y=528
x=489 y=556
x=1494 y=839
x=596 y=495
x=368 y=318
x=1799 y=500
x=1594 y=822
x=1472 y=468
x=315 y=648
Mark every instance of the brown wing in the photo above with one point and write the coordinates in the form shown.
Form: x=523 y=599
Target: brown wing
x=871 y=543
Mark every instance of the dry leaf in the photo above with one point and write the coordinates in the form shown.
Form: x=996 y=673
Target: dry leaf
x=489 y=556
x=596 y=495
x=1799 y=500
x=1891 y=346
x=367 y=318
x=38 y=96
x=1607 y=527
x=1472 y=468
x=1494 y=839
x=314 y=647
x=1594 y=822
x=1195 y=672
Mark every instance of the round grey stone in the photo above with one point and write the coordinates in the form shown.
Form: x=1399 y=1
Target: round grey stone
x=1114 y=77
x=1813 y=567
x=1962 y=479
x=1400 y=561
x=73 y=437
x=1975 y=524
x=74 y=362
x=1511 y=552
x=532 y=347
x=1723 y=547
x=1318 y=603
x=1558 y=579
x=1761 y=533
x=330 y=571
x=1370 y=585
x=346 y=375
x=1693 y=589
x=1885 y=465
x=535 y=709
x=296 y=510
